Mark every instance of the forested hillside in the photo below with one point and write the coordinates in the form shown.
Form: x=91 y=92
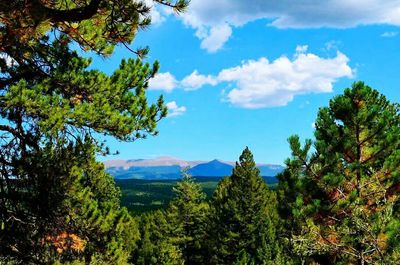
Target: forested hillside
x=139 y=195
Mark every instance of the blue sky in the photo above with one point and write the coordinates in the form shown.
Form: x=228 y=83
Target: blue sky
x=241 y=73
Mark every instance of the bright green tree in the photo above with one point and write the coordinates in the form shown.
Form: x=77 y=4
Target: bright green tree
x=56 y=201
x=244 y=218
x=187 y=214
x=345 y=191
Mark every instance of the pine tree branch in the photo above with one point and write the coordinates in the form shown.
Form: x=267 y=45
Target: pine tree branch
x=75 y=14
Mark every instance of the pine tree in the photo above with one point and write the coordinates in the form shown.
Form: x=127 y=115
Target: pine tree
x=158 y=244
x=187 y=214
x=71 y=210
x=176 y=235
x=289 y=187
x=345 y=192
x=95 y=25
x=56 y=201
x=243 y=217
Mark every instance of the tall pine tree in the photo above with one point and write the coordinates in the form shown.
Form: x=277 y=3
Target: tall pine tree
x=187 y=213
x=243 y=217
x=56 y=201
x=344 y=195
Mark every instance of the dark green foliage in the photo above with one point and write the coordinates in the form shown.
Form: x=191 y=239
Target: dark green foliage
x=288 y=193
x=95 y=25
x=343 y=195
x=140 y=195
x=158 y=243
x=66 y=207
x=176 y=235
x=56 y=201
x=188 y=213
x=243 y=219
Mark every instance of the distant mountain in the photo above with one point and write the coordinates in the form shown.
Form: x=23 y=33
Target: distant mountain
x=170 y=168
x=270 y=170
x=159 y=161
x=150 y=172
x=214 y=168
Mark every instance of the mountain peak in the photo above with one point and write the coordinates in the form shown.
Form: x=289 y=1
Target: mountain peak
x=168 y=167
x=214 y=168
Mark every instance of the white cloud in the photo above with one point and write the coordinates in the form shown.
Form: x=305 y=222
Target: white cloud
x=195 y=81
x=301 y=48
x=174 y=109
x=163 y=81
x=389 y=34
x=156 y=17
x=261 y=83
x=216 y=37
x=167 y=82
x=208 y=17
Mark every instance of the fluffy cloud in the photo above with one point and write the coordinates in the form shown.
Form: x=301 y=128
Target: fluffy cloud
x=195 y=81
x=163 y=81
x=174 y=109
x=261 y=83
x=167 y=82
x=213 y=20
x=216 y=37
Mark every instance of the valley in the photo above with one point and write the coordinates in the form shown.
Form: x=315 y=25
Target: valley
x=147 y=184
x=143 y=195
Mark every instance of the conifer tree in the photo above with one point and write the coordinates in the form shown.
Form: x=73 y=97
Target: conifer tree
x=176 y=235
x=288 y=189
x=187 y=214
x=345 y=193
x=158 y=243
x=243 y=217
x=56 y=201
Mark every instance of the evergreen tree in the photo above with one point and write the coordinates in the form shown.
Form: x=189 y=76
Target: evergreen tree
x=158 y=244
x=345 y=193
x=288 y=189
x=95 y=25
x=56 y=201
x=187 y=214
x=175 y=236
x=243 y=219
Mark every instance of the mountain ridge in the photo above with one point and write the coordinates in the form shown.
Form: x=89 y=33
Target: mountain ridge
x=166 y=167
x=158 y=161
